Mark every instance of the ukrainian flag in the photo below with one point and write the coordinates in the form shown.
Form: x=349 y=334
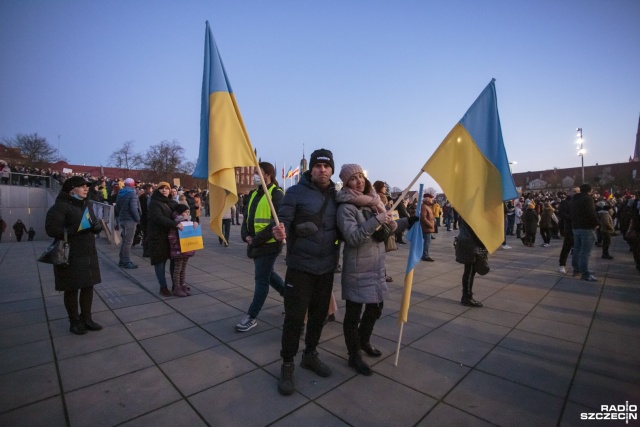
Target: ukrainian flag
x=224 y=142
x=472 y=168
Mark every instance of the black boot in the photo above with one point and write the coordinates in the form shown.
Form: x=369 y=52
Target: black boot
x=89 y=324
x=285 y=383
x=357 y=362
x=467 y=287
x=77 y=326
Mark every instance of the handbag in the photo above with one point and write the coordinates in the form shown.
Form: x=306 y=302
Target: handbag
x=390 y=244
x=57 y=253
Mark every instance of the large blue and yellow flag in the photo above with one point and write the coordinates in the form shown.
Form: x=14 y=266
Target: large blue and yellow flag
x=416 y=241
x=224 y=142
x=472 y=169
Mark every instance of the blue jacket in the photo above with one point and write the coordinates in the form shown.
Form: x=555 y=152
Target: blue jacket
x=127 y=205
x=312 y=252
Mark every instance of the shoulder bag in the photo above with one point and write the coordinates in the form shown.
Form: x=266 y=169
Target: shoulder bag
x=57 y=253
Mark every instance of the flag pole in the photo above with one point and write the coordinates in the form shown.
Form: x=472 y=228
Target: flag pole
x=406 y=190
x=395 y=362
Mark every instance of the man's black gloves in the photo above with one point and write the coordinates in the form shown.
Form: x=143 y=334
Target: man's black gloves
x=96 y=227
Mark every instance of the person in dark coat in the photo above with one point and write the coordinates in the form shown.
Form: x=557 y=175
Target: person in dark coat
x=83 y=271
x=530 y=225
x=159 y=222
x=472 y=253
x=19 y=229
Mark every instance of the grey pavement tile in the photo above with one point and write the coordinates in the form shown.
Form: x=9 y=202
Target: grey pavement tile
x=542 y=374
x=422 y=371
x=569 y=286
x=193 y=301
x=446 y=415
x=131 y=300
x=175 y=414
x=143 y=311
x=22 y=305
x=444 y=305
x=573 y=413
x=262 y=348
x=310 y=415
x=159 y=325
x=23 y=334
x=476 y=329
x=611 y=362
x=453 y=347
x=25 y=356
x=426 y=317
x=177 y=344
x=57 y=312
x=563 y=314
x=70 y=345
x=542 y=346
x=555 y=329
x=210 y=313
x=360 y=401
x=521 y=293
x=120 y=399
x=199 y=371
x=592 y=390
x=506 y=304
x=101 y=365
x=231 y=294
x=28 y=386
x=496 y=317
x=504 y=402
x=273 y=315
x=389 y=328
x=615 y=340
x=617 y=324
x=212 y=285
x=226 y=404
x=45 y=413
x=225 y=329
x=9 y=296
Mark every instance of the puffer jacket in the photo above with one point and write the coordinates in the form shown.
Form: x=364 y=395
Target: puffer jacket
x=83 y=269
x=127 y=205
x=582 y=211
x=363 y=270
x=314 y=253
x=606 y=223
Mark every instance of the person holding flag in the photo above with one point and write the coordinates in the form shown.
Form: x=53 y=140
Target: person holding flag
x=471 y=252
x=65 y=219
x=360 y=214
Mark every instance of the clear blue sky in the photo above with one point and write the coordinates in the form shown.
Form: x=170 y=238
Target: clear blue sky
x=380 y=83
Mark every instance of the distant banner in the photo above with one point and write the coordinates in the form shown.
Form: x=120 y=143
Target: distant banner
x=190 y=237
x=67 y=170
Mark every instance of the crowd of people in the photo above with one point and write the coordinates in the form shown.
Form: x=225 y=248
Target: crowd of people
x=317 y=221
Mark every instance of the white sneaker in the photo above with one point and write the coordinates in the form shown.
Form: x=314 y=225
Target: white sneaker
x=246 y=323
x=506 y=247
x=562 y=270
x=545 y=245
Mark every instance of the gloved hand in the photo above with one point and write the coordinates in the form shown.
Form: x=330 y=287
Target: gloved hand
x=96 y=227
x=412 y=220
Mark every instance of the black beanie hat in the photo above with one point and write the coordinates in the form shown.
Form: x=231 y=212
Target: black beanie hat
x=181 y=207
x=322 y=156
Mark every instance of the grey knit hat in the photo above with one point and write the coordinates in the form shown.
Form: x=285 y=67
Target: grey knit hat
x=349 y=170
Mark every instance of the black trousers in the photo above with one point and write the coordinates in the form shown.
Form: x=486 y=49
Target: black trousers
x=567 y=244
x=357 y=331
x=304 y=292
x=467 y=280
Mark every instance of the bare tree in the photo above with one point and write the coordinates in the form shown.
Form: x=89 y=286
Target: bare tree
x=125 y=157
x=165 y=159
x=36 y=150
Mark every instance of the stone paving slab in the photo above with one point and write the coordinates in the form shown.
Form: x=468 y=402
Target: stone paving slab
x=545 y=348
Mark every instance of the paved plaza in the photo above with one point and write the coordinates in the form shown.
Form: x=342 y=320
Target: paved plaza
x=543 y=350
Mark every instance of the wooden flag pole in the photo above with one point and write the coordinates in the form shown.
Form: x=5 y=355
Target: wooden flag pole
x=406 y=190
x=395 y=362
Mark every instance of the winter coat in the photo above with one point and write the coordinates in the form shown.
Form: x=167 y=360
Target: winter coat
x=127 y=205
x=468 y=246
x=606 y=222
x=259 y=245
x=546 y=218
x=174 y=240
x=427 y=220
x=83 y=269
x=310 y=251
x=19 y=228
x=582 y=212
x=363 y=269
x=530 y=221
x=159 y=222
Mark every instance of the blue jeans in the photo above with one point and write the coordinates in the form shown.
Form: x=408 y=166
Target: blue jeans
x=427 y=243
x=128 y=230
x=160 y=275
x=583 y=241
x=264 y=276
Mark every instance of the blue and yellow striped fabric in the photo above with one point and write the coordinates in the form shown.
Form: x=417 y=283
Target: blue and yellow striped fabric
x=472 y=168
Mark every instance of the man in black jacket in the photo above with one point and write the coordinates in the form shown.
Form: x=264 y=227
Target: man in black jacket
x=584 y=221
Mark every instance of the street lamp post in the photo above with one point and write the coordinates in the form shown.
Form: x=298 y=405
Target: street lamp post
x=581 y=150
